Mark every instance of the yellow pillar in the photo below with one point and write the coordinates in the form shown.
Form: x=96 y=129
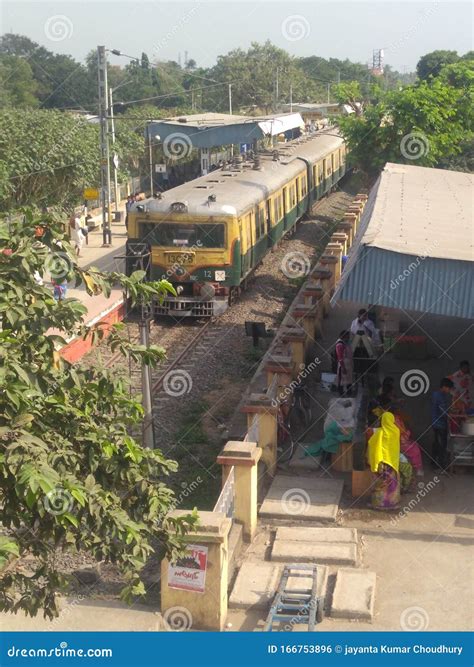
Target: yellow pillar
x=265 y=409
x=244 y=456
x=205 y=610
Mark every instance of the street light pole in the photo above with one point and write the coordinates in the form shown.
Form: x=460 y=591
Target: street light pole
x=150 y=157
x=104 y=145
x=112 y=127
x=230 y=99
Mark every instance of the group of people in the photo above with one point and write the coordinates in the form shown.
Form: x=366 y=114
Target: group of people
x=355 y=349
x=393 y=454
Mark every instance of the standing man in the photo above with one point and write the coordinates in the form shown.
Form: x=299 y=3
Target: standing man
x=343 y=352
x=440 y=404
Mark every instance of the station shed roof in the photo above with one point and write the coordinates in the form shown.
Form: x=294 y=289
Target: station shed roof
x=414 y=246
x=219 y=129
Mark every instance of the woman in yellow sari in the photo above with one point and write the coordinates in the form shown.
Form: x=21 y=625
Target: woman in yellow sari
x=383 y=454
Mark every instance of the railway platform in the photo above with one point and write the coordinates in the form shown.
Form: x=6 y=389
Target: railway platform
x=99 y=308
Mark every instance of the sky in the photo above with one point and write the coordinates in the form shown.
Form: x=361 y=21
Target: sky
x=405 y=30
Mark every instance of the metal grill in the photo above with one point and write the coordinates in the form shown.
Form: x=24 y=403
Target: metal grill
x=225 y=502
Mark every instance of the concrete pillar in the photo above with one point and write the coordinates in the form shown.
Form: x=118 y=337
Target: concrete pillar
x=324 y=276
x=353 y=218
x=203 y=610
x=332 y=263
x=295 y=336
x=341 y=238
x=347 y=228
x=265 y=409
x=244 y=456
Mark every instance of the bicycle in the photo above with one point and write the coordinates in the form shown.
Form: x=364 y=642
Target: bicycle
x=301 y=405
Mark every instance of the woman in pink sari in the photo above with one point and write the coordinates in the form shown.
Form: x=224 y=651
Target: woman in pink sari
x=409 y=447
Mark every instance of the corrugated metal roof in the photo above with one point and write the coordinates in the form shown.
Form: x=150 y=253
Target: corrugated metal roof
x=407 y=282
x=421 y=210
x=413 y=249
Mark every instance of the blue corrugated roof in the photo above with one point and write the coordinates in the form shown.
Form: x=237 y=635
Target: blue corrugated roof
x=395 y=280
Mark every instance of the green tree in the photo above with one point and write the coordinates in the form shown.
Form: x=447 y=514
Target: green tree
x=52 y=165
x=420 y=125
x=18 y=84
x=431 y=64
x=72 y=478
x=61 y=82
x=253 y=74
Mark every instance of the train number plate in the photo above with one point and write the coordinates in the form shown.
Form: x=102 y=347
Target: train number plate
x=180 y=258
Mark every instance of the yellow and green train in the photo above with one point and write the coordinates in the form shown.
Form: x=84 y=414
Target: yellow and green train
x=208 y=235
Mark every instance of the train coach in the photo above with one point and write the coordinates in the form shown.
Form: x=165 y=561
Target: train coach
x=208 y=235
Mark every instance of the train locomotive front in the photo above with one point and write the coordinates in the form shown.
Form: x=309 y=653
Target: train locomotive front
x=197 y=251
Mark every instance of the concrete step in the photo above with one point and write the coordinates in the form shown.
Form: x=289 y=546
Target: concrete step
x=302 y=498
x=329 y=553
x=316 y=534
x=257 y=583
x=354 y=594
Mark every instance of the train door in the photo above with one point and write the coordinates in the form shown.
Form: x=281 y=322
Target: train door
x=268 y=221
x=249 y=220
x=285 y=209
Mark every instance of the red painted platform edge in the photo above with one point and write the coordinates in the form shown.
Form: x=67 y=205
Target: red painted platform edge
x=78 y=347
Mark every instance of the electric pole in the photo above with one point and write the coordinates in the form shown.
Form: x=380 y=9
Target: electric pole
x=230 y=99
x=104 y=145
x=148 y=434
x=115 y=158
x=150 y=158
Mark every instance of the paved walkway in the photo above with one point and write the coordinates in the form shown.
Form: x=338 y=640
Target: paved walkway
x=94 y=254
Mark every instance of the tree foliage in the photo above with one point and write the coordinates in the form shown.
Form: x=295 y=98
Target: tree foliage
x=425 y=124
x=71 y=476
x=47 y=157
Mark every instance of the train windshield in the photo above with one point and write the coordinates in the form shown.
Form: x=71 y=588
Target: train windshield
x=183 y=235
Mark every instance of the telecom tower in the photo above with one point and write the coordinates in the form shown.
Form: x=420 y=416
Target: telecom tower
x=377 y=62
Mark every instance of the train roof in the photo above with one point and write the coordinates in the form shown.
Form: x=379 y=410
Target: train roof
x=236 y=188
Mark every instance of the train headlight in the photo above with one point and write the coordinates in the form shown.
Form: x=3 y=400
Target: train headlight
x=179 y=289
x=208 y=291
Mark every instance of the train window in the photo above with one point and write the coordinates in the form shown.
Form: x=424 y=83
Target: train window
x=303 y=186
x=184 y=235
x=293 y=194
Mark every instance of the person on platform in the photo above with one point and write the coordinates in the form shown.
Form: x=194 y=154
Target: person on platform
x=77 y=235
x=383 y=455
x=344 y=359
x=440 y=406
x=462 y=390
